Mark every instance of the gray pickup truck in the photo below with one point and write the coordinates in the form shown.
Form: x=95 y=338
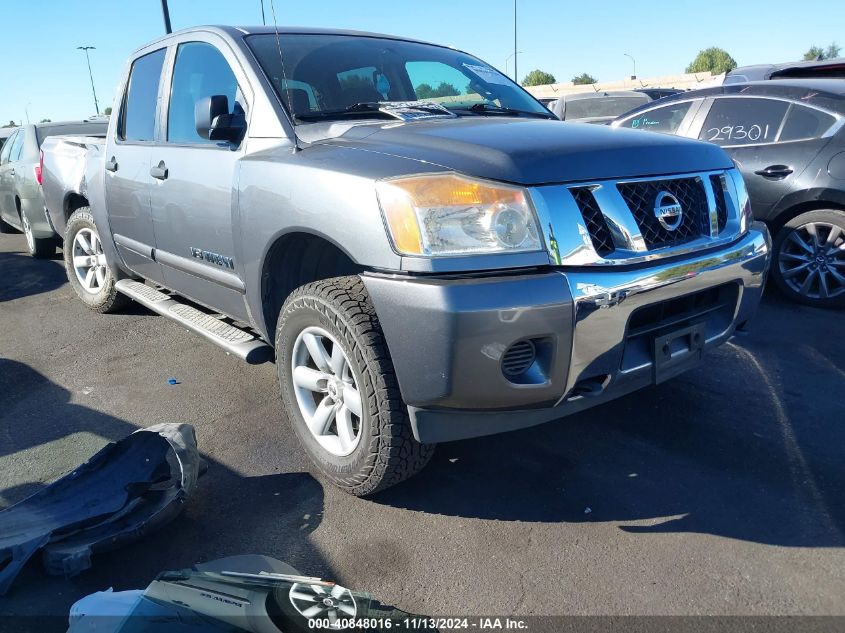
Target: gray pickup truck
x=426 y=254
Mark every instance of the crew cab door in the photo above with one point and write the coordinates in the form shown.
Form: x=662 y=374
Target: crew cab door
x=127 y=164
x=194 y=201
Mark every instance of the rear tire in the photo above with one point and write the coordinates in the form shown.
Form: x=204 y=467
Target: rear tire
x=809 y=258
x=378 y=449
x=96 y=291
x=39 y=248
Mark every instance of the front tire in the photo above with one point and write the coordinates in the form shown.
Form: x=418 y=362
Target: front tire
x=340 y=391
x=809 y=258
x=39 y=248
x=86 y=265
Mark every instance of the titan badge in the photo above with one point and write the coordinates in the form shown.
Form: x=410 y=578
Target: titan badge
x=213 y=258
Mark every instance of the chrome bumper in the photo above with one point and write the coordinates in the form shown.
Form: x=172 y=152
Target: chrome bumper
x=447 y=337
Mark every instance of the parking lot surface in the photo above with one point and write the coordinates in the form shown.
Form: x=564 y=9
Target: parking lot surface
x=719 y=492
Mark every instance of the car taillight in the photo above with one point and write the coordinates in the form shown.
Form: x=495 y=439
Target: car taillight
x=39 y=168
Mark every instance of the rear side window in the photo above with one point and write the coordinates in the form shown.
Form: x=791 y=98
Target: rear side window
x=743 y=121
x=200 y=71
x=666 y=119
x=7 y=148
x=17 y=146
x=138 y=116
x=805 y=123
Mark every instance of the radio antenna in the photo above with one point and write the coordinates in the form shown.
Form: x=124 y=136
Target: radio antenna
x=285 y=77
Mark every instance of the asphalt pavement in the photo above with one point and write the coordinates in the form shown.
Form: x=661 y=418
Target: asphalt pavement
x=719 y=492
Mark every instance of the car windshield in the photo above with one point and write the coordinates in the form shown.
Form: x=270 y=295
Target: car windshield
x=327 y=75
x=602 y=106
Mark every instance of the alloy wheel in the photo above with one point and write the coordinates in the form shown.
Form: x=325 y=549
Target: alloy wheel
x=316 y=601
x=812 y=260
x=89 y=261
x=327 y=391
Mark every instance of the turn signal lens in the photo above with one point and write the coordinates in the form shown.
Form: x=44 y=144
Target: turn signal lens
x=436 y=215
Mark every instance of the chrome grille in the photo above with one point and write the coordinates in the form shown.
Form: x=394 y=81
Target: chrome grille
x=718 y=183
x=594 y=220
x=641 y=197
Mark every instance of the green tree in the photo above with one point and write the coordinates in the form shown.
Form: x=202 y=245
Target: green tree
x=107 y=111
x=44 y=121
x=817 y=52
x=427 y=91
x=538 y=78
x=583 y=79
x=11 y=124
x=713 y=59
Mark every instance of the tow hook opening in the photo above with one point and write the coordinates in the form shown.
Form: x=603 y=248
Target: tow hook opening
x=589 y=387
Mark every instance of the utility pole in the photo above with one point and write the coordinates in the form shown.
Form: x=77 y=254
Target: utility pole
x=634 y=76
x=515 y=52
x=166 y=13
x=90 y=74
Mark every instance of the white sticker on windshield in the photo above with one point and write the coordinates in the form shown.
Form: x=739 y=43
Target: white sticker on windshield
x=487 y=74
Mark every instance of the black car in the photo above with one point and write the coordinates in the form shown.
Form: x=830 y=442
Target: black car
x=788 y=139
x=819 y=69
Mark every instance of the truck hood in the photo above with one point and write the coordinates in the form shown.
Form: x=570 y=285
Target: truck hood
x=534 y=151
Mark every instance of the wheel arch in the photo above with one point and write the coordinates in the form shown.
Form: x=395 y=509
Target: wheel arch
x=295 y=258
x=800 y=202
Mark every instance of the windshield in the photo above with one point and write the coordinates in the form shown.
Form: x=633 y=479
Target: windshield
x=602 y=106
x=332 y=73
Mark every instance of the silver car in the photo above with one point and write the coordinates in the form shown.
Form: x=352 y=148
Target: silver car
x=21 y=201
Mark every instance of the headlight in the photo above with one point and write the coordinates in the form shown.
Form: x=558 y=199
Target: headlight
x=454 y=215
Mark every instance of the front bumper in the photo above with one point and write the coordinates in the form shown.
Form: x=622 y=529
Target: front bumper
x=593 y=331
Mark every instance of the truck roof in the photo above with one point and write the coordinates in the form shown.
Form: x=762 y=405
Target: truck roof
x=241 y=31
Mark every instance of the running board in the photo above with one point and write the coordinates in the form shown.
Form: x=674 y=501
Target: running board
x=234 y=340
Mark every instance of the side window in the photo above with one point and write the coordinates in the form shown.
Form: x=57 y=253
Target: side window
x=743 y=121
x=805 y=123
x=200 y=71
x=138 y=115
x=17 y=146
x=666 y=119
x=7 y=149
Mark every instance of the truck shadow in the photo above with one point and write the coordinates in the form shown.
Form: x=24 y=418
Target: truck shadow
x=229 y=514
x=748 y=446
x=25 y=276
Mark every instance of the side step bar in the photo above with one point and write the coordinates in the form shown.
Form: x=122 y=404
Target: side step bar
x=234 y=340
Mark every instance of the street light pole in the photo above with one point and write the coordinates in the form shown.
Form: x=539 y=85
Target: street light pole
x=515 y=52
x=634 y=76
x=166 y=13
x=90 y=74
x=263 y=20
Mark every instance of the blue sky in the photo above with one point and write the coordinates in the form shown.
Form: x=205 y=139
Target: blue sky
x=42 y=69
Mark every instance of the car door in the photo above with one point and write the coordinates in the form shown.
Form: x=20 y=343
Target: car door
x=771 y=140
x=127 y=163
x=194 y=209
x=7 y=179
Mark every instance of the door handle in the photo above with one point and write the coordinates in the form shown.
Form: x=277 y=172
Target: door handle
x=775 y=172
x=159 y=172
x=111 y=164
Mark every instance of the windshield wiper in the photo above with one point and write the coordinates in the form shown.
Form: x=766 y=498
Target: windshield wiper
x=491 y=108
x=379 y=108
x=372 y=107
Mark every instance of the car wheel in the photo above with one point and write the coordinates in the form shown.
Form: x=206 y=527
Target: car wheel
x=38 y=248
x=86 y=265
x=340 y=391
x=809 y=258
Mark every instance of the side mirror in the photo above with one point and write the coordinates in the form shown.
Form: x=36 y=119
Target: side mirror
x=214 y=122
